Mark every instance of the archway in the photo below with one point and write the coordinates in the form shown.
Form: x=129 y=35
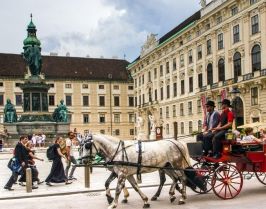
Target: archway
x=238 y=109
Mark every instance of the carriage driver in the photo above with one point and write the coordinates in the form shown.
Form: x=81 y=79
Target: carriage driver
x=226 y=121
x=211 y=121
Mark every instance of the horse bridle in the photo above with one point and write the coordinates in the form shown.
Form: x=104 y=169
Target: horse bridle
x=89 y=144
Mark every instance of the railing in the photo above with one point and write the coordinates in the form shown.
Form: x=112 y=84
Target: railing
x=214 y=85
x=248 y=76
x=263 y=72
x=228 y=82
x=203 y=88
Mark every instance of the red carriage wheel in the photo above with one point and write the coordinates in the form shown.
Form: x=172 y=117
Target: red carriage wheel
x=261 y=176
x=227 y=181
x=204 y=169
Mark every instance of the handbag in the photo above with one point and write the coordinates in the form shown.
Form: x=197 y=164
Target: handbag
x=15 y=166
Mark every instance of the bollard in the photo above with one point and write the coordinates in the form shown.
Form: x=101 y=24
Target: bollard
x=87 y=176
x=28 y=180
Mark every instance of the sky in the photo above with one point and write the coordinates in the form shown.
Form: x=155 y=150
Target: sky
x=94 y=28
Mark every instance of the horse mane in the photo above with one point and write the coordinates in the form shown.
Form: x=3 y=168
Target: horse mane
x=109 y=137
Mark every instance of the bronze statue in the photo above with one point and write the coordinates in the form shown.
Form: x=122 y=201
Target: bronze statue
x=10 y=112
x=32 y=55
x=60 y=113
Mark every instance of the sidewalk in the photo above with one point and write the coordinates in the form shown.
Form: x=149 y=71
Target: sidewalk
x=98 y=178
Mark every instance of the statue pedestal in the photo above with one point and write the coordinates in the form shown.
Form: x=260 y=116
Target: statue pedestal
x=141 y=136
x=152 y=135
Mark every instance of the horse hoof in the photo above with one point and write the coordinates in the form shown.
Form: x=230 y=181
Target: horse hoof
x=181 y=202
x=146 y=205
x=124 y=201
x=172 y=199
x=154 y=198
x=109 y=199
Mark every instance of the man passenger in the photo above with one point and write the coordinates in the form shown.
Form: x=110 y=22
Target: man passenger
x=211 y=121
x=226 y=121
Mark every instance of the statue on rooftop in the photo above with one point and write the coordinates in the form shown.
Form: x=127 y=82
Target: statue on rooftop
x=32 y=56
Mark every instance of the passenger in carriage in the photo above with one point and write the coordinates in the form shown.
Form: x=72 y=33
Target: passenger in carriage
x=211 y=121
x=249 y=137
x=226 y=121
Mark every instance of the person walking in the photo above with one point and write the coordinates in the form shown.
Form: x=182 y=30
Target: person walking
x=57 y=174
x=32 y=165
x=70 y=155
x=211 y=121
x=21 y=156
x=226 y=121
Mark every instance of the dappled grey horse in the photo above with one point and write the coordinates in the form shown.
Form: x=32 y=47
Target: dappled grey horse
x=168 y=155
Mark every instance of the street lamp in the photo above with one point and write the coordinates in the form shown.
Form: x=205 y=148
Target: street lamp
x=235 y=93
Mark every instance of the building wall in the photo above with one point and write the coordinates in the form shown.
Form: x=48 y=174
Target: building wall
x=78 y=109
x=217 y=19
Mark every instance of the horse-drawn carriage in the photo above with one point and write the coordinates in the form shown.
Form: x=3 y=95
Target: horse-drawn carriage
x=225 y=175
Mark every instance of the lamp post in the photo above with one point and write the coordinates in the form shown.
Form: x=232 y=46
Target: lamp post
x=235 y=93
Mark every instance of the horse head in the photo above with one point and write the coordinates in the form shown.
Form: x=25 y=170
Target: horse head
x=87 y=150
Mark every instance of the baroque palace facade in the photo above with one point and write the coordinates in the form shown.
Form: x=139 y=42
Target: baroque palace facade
x=217 y=49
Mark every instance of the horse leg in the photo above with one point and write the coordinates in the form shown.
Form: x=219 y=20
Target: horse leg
x=126 y=195
x=182 y=178
x=134 y=184
x=172 y=175
x=109 y=197
x=162 y=181
x=119 y=187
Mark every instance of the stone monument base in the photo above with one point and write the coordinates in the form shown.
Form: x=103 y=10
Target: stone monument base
x=50 y=129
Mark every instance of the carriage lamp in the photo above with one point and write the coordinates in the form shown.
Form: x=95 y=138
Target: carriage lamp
x=235 y=93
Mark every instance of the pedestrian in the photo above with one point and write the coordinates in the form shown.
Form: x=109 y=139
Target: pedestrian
x=57 y=174
x=211 y=121
x=32 y=165
x=226 y=121
x=22 y=157
x=70 y=155
x=43 y=140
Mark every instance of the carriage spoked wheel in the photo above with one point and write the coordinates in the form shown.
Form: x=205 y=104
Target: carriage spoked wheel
x=206 y=170
x=261 y=176
x=227 y=181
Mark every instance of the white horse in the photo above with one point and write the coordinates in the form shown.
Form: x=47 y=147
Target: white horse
x=169 y=155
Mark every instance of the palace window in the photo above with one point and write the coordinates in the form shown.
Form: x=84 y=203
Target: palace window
x=131 y=117
x=167 y=128
x=161 y=113
x=199 y=125
x=174 y=64
x=234 y=10
x=190 y=57
x=237 y=65
x=255 y=24
x=182 y=127
x=174 y=110
x=116 y=87
x=101 y=86
x=190 y=127
x=85 y=86
x=253 y=1
x=18 y=99
x=199 y=106
x=149 y=76
x=200 y=80
x=181 y=60
x=220 y=41
x=236 y=37
x=190 y=84
x=131 y=101
x=161 y=93
x=175 y=89
x=182 y=87
x=189 y=105
x=116 y=101
x=209 y=47
x=221 y=72
x=102 y=101
x=161 y=70
x=51 y=100
x=199 y=51
x=254 y=96
x=116 y=118
x=85 y=101
x=68 y=86
x=117 y=132
x=167 y=112
x=86 y=118
x=130 y=87
x=256 y=58
x=155 y=73
x=209 y=74
x=181 y=109
x=102 y=118
x=167 y=68
x=168 y=91
x=68 y=100
x=131 y=132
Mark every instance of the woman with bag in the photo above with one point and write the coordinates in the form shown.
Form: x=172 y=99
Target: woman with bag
x=31 y=164
x=57 y=174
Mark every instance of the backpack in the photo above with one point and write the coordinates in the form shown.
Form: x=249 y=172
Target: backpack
x=50 y=152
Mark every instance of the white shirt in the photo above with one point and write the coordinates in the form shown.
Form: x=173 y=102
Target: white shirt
x=69 y=144
x=248 y=138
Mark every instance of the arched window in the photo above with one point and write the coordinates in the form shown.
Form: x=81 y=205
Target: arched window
x=209 y=74
x=221 y=73
x=256 y=58
x=237 y=65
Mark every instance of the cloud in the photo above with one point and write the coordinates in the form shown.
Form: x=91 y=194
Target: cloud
x=98 y=28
